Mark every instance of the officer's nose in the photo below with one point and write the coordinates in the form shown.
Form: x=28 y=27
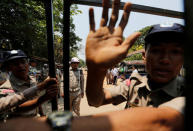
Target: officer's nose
x=165 y=58
x=20 y=65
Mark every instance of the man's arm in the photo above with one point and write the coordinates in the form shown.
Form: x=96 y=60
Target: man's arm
x=82 y=82
x=51 y=92
x=96 y=95
x=135 y=119
x=104 y=49
x=14 y=100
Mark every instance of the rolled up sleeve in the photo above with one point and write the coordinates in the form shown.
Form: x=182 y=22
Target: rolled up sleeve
x=8 y=101
x=119 y=93
x=177 y=103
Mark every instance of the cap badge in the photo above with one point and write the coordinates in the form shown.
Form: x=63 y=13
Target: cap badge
x=166 y=24
x=14 y=52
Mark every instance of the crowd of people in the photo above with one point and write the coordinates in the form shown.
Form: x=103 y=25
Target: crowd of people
x=153 y=102
x=119 y=72
x=112 y=75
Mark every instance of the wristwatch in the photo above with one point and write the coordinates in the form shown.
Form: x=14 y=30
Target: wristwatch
x=60 y=120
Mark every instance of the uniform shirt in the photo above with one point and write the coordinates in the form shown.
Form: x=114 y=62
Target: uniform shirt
x=44 y=72
x=115 y=72
x=14 y=92
x=76 y=80
x=3 y=76
x=33 y=71
x=135 y=71
x=58 y=74
x=138 y=92
x=177 y=103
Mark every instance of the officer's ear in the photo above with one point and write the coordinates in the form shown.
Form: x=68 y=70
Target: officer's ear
x=143 y=56
x=8 y=67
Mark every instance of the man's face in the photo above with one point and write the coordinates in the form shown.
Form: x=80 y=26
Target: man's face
x=164 y=61
x=74 y=65
x=33 y=64
x=19 y=68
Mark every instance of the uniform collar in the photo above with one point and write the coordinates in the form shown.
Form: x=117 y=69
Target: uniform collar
x=173 y=88
x=18 y=81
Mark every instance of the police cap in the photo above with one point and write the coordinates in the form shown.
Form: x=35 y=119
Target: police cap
x=74 y=60
x=171 y=32
x=15 y=54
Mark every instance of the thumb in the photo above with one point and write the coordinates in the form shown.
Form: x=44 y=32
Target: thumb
x=47 y=78
x=130 y=40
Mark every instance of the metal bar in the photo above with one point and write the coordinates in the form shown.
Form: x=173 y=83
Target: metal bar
x=188 y=4
x=50 y=44
x=135 y=8
x=66 y=48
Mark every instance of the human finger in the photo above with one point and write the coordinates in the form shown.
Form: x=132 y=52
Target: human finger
x=125 y=17
x=91 y=19
x=104 y=18
x=52 y=87
x=115 y=14
x=47 y=77
x=51 y=91
x=130 y=40
x=46 y=83
x=51 y=81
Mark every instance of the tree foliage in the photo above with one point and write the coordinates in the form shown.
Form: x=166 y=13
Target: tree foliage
x=139 y=44
x=23 y=26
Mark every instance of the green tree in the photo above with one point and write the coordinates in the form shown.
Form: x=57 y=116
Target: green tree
x=74 y=39
x=82 y=63
x=139 y=44
x=74 y=47
x=144 y=31
x=23 y=26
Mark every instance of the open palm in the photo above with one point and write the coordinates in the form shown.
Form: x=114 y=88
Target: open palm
x=104 y=47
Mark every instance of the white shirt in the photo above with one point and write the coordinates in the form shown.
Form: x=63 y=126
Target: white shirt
x=115 y=72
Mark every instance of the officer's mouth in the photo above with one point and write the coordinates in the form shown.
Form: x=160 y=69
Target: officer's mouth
x=22 y=71
x=162 y=72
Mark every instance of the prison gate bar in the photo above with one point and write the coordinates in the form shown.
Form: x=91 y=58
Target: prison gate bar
x=134 y=8
x=50 y=44
x=188 y=56
x=66 y=55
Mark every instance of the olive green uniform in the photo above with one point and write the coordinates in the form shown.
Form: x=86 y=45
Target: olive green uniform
x=76 y=89
x=14 y=92
x=138 y=93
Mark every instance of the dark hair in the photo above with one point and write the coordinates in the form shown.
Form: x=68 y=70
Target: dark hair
x=32 y=60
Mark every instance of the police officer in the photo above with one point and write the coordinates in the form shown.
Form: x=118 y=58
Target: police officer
x=20 y=95
x=76 y=86
x=44 y=71
x=32 y=69
x=163 y=57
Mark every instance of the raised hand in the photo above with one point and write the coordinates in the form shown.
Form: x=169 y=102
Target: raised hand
x=105 y=47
